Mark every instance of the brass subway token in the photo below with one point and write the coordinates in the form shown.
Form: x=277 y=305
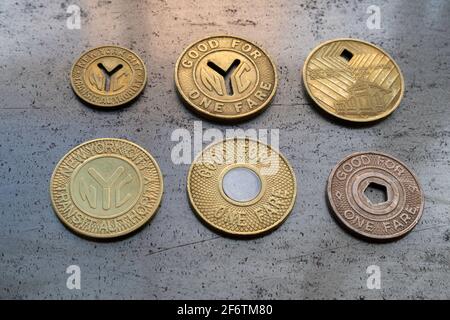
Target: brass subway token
x=241 y=187
x=108 y=76
x=225 y=78
x=393 y=215
x=353 y=80
x=106 y=188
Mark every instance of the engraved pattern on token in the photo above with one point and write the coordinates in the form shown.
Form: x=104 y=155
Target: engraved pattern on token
x=353 y=80
x=210 y=201
x=226 y=78
x=106 y=188
x=388 y=219
x=108 y=76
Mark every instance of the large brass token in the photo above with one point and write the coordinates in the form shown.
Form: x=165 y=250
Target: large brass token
x=108 y=76
x=353 y=80
x=225 y=78
x=241 y=187
x=392 y=215
x=106 y=188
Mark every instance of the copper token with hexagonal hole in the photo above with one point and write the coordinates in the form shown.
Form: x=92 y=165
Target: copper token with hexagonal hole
x=375 y=195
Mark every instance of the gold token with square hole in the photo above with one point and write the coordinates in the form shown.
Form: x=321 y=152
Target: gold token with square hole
x=353 y=80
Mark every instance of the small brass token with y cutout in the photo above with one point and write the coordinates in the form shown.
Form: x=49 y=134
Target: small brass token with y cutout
x=226 y=78
x=108 y=76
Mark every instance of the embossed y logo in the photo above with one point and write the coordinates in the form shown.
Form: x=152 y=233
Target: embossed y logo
x=226 y=82
x=109 y=186
x=105 y=186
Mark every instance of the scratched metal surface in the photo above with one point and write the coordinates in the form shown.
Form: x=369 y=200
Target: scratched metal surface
x=176 y=256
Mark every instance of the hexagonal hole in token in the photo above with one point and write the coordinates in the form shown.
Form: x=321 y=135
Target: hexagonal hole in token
x=376 y=193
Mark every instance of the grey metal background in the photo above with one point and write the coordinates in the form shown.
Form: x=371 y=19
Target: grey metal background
x=176 y=256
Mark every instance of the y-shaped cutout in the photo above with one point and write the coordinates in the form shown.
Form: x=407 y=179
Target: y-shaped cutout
x=108 y=74
x=226 y=74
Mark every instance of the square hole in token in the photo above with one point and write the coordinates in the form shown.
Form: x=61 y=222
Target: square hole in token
x=347 y=55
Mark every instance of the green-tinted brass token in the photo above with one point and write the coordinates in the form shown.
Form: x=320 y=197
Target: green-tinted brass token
x=106 y=188
x=108 y=76
x=241 y=187
x=353 y=80
x=226 y=78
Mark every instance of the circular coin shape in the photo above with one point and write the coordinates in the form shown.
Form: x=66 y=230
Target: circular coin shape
x=108 y=76
x=241 y=187
x=349 y=187
x=106 y=188
x=225 y=78
x=353 y=80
